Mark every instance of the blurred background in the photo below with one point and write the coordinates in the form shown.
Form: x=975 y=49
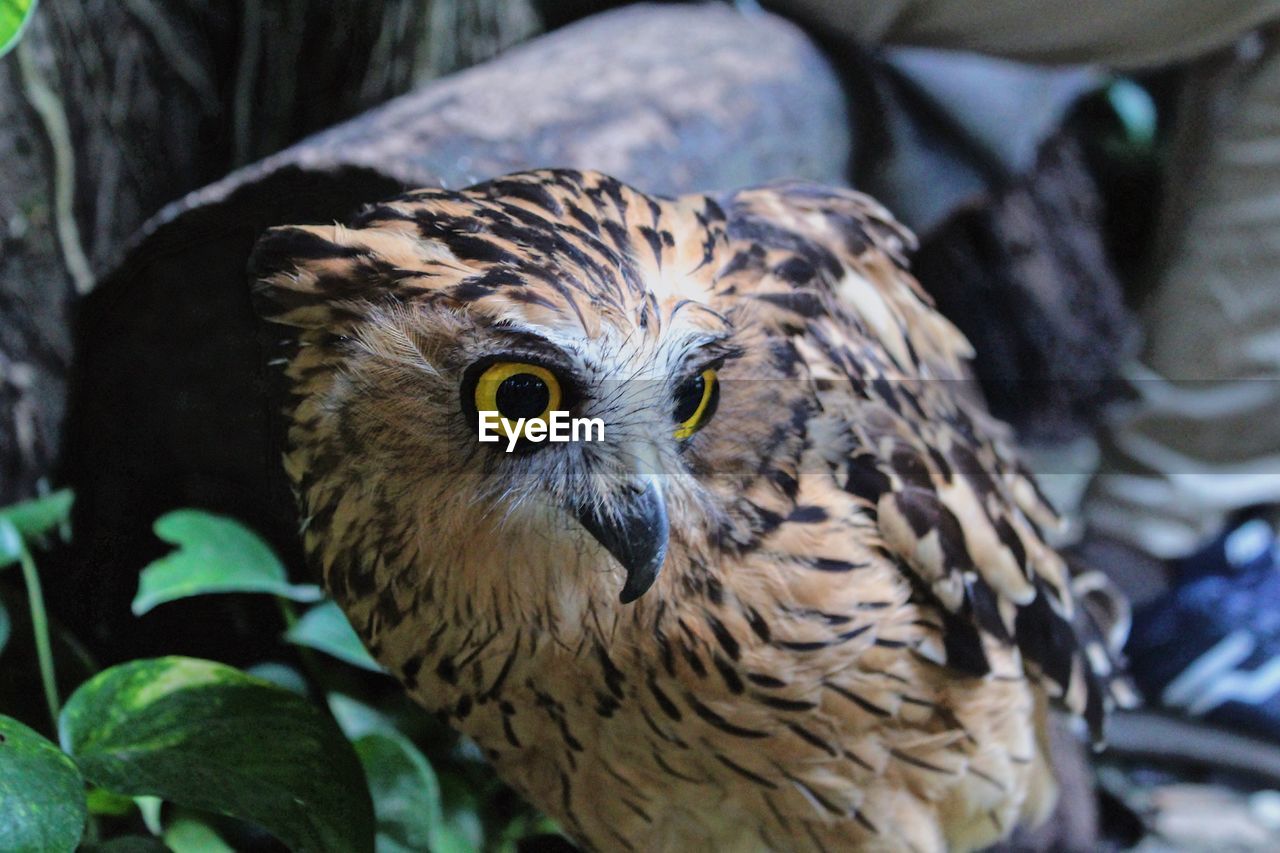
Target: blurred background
x=1035 y=191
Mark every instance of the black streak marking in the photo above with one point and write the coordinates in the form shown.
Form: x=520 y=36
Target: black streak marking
x=667 y=768
x=782 y=704
x=745 y=773
x=762 y=680
x=821 y=800
x=710 y=716
x=729 y=674
x=807 y=514
x=869 y=707
x=825 y=564
x=758 y=625
x=726 y=640
x=812 y=739
x=613 y=676
x=664 y=702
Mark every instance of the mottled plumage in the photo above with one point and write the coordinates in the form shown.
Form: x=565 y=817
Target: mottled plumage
x=857 y=626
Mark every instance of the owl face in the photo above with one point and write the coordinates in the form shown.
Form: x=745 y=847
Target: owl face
x=403 y=351
x=414 y=382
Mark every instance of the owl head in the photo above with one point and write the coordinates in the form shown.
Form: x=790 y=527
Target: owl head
x=438 y=313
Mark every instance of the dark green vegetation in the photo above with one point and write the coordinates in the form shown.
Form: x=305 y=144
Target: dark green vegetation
x=311 y=748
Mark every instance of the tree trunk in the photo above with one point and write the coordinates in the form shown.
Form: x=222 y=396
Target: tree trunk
x=109 y=109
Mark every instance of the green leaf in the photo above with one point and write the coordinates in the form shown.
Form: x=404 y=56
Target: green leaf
x=451 y=839
x=368 y=728
x=149 y=808
x=209 y=737
x=189 y=835
x=104 y=802
x=325 y=628
x=406 y=795
x=41 y=791
x=1136 y=110
x=11 y=547
x=215 y=554
x=40 y=516
x=463 y=831
x=281 y=675
x=14 y=15
x=356 y=719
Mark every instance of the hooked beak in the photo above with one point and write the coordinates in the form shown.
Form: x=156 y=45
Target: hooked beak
x=636 y=535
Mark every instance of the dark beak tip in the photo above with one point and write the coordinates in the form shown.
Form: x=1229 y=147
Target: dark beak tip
x=641 y=579
x=637 y=538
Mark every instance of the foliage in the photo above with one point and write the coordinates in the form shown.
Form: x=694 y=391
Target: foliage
x=214 y=555
x=37 y=518
x=326 y=629
x=207 y=736
x=183 y=754
x=14 y=15
x=42 y=792
x=1136 y=111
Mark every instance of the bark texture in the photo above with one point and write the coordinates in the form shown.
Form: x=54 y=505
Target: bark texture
x=109 y=109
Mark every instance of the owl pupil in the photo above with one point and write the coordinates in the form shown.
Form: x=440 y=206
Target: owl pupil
x=688 y=397
x=522 y=396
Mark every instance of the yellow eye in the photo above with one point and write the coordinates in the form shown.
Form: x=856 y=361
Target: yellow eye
x=517 y=390
x=696 y=401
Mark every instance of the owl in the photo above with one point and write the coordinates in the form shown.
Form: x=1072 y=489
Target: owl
x=794 y=594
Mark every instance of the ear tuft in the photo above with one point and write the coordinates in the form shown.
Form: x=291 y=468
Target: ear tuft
x=288 y=247
x=294 y=269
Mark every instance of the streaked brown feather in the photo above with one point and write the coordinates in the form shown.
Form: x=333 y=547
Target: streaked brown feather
x=859 y=624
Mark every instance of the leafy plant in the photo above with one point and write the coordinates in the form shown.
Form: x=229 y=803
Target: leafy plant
x=184 y=754
x=42 y=791
x=210 y=737
x=214 y=555
x=14 y=15
x=326 y=629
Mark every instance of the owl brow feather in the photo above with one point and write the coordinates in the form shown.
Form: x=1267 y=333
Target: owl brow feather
x=711 y=351
x=703 y=351
x=535 y=339
x=699 y=306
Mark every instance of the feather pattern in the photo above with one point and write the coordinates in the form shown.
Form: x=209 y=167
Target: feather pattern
x=859 y=624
